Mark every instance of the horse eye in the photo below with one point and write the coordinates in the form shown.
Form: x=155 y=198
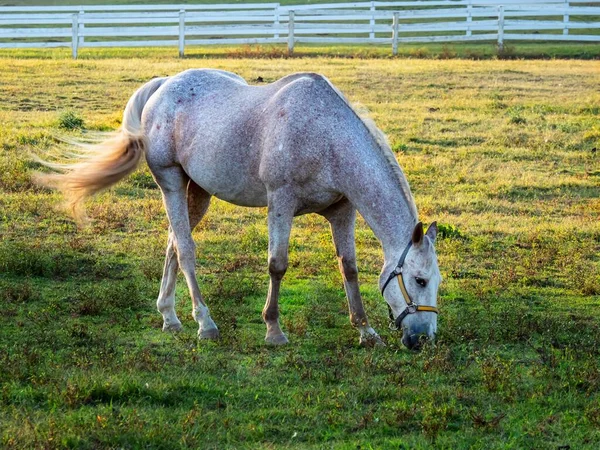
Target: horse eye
x=421 y=282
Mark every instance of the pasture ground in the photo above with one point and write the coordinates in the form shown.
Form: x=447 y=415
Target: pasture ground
x=468 y=50
x=502 y=153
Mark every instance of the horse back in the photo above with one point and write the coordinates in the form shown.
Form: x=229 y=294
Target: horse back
x=239 y=142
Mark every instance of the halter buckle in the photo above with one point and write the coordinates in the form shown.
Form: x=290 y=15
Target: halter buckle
x=412 y=308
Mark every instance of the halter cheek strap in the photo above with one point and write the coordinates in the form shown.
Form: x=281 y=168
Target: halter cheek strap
x=411 y=307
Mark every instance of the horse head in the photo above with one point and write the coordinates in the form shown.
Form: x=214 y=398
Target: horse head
x=414 y=296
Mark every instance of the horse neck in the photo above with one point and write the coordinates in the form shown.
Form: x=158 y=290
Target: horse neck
x=380 y=197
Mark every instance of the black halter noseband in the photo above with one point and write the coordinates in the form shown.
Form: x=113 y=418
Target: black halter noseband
x=411 y=307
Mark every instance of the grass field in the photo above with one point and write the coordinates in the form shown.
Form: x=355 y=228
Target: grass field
x=470 y=50
x=502 y=153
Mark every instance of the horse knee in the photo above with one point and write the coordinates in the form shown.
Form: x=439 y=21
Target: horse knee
x=278 y=267
x=349 y=269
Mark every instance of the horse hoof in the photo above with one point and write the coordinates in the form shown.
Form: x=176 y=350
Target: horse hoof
x=172 y=327
x=278 y=339
x=211 y=333
x=371 y=341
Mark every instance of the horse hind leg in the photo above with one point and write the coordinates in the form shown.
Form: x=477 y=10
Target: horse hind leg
x=198 y=201
x=342 y=218
x=172 y=182
x=166 y=296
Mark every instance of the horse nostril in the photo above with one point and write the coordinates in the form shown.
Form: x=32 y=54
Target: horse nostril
x=415 y=336
x=414 y=341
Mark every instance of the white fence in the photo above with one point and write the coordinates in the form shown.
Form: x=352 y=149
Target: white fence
x=391 y=23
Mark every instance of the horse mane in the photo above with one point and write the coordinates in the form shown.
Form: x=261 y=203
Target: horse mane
x=383 y=144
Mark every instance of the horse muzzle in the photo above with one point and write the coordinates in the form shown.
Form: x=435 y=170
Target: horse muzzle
x=414 y=337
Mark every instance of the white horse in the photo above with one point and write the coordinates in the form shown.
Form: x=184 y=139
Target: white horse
x=295 y=146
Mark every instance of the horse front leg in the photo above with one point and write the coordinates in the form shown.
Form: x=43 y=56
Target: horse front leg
x=342 y=218
x=280 y=217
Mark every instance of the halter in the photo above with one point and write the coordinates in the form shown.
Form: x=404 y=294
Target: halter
x=411 y=307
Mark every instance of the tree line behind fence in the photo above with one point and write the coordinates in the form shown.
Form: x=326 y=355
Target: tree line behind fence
x=389 y=23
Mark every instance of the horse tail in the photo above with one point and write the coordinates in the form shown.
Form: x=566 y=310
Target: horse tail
x=99 y=166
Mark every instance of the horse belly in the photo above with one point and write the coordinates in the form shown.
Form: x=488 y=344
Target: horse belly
x=228 y=180
x=317 y=202
x=245 y=198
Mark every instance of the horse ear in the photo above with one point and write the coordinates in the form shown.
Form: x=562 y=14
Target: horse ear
x=417 y=235
x=432 y=231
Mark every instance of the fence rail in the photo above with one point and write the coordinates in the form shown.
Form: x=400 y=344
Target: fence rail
x=375 y=22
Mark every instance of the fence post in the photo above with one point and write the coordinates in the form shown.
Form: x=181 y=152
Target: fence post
x=291 y=33
x=81 y=28
x=276 y=22
x=566 y=19
x=469 y=17
x=75 y=37
x=181 y=32
x=372 y=21
x=500 y=28
x=395 y=28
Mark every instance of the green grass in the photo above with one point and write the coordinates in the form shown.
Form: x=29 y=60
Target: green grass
x=473 y=51
x=501 y=153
